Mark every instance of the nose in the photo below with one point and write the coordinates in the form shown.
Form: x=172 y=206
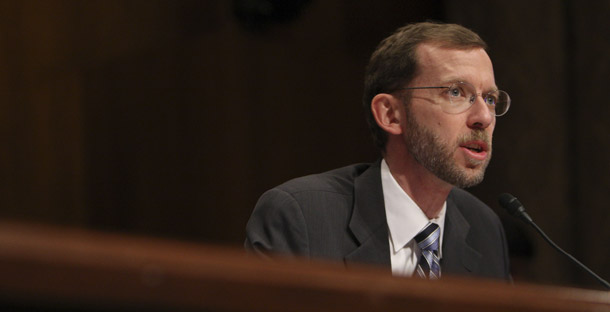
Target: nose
x=479 y=114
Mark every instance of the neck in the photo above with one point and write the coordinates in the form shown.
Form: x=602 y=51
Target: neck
x=426 y=190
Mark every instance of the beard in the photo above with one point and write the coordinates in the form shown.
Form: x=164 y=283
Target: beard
x=429 y=150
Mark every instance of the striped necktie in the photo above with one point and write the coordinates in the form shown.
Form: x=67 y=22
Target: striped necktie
x=428 y=242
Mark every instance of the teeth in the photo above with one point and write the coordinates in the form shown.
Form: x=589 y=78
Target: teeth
x=474 y=147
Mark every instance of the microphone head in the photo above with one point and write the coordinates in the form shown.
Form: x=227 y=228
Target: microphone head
x=511 y=204
x=514 y=207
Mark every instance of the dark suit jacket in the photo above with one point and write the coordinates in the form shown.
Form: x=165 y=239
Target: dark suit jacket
x=340 y=215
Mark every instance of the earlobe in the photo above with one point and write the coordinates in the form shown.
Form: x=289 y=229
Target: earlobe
x=385 y=108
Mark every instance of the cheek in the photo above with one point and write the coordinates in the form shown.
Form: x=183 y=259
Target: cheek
x=490 y=130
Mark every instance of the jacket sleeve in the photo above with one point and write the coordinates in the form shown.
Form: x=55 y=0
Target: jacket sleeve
x=277 y=225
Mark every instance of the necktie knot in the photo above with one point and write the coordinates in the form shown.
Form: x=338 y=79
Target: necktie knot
x=429 y=243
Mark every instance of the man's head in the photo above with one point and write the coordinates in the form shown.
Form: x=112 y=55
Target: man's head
x=394 y=63
x=431 y=93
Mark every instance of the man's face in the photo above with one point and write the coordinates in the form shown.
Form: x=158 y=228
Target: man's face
x=456 y=148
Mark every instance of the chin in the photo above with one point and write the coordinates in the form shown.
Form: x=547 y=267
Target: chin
x=474 y=177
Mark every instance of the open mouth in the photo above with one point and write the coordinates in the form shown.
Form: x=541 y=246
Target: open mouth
x=474 y=147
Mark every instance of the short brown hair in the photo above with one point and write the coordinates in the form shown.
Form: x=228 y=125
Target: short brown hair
x=394 y=63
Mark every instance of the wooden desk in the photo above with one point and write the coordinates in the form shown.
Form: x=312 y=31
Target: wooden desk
x=44 y=267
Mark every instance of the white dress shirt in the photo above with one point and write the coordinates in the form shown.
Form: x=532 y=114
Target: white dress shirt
x=405 y=220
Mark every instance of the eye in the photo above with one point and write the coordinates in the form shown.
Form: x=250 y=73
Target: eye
x=455 y=92
x=491 y=99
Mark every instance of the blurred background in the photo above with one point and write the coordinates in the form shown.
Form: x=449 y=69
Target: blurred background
x=170 y=118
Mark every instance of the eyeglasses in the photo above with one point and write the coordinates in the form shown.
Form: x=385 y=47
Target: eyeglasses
x=460 y=96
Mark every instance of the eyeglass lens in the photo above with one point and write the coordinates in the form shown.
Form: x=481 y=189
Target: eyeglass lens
x=462 y=95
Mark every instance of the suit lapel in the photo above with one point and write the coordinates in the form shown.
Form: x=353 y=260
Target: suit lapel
x=368 y=222
x=458 y=256
x=369 y=227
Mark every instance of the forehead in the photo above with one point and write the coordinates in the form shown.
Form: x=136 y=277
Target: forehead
x=438 y=64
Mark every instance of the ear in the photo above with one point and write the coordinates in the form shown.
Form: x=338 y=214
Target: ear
x=386 y=109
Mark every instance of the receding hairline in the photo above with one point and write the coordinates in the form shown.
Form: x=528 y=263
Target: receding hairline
x=444 y=46
x=452 y=44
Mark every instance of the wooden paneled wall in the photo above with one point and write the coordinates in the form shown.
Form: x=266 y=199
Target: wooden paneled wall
x=170 y=118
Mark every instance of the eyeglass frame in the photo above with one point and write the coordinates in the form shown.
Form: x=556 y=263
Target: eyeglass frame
x=471 y=102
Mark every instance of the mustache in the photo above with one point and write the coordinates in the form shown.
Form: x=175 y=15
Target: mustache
x=475 y=135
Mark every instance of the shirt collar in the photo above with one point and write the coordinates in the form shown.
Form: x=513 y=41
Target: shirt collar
x=405 y=219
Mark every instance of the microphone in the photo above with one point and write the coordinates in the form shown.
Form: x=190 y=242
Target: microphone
x=515 y=208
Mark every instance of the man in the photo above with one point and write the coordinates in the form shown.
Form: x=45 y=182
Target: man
x=432 y=103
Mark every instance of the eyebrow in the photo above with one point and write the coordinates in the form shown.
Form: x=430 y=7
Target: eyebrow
x=454 y=80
